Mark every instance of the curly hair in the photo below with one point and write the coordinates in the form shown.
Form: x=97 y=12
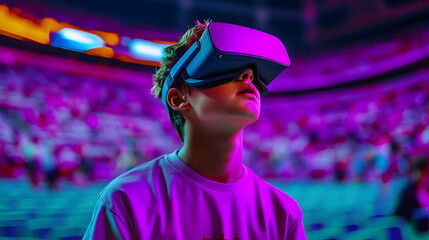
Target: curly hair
x=172 y=54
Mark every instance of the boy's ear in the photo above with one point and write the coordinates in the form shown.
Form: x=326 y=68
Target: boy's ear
x=177 y=99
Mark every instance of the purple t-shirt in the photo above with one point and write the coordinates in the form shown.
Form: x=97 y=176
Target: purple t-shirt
x=165 y=199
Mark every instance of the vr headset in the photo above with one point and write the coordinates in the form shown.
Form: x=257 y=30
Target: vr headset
x=222 y=52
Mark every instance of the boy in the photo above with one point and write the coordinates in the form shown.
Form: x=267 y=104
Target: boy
x=203 y=190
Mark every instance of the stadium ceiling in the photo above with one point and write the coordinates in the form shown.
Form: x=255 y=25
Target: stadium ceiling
x=137 y=31
x=301 y=24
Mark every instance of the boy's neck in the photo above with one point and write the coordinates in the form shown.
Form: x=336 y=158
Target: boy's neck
x=215 y=157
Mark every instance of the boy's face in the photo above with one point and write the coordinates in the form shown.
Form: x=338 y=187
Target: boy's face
x=228 y=106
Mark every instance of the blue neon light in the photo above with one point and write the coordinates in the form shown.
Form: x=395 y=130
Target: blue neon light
x=147 y=50
x=76 y=40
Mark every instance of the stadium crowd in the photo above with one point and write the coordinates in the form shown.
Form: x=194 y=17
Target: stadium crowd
x=57 y=125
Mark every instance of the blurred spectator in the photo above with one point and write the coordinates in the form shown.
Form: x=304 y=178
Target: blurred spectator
x=413 y=202
x=5 y=166
x=30 y=149
x=48 y=163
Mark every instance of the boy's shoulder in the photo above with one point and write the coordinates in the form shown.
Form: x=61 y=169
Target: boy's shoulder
x=280 y=200
x=136 y=182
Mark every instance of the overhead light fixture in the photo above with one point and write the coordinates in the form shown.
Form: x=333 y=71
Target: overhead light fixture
x=147 y=50
x=76 y=40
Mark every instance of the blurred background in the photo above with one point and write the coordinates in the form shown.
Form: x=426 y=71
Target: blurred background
x=344 y=130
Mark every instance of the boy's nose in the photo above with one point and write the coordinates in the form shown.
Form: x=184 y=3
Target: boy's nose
x=246 y=75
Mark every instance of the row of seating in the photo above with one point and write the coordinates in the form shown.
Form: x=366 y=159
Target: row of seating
x=331 y=210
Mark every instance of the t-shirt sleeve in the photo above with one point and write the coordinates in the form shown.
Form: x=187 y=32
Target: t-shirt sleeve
x=296 y=230
x=106 y=224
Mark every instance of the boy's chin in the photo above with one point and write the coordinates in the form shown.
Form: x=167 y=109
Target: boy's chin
x=249 y=117
x=238 y=122
x=229 y=121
